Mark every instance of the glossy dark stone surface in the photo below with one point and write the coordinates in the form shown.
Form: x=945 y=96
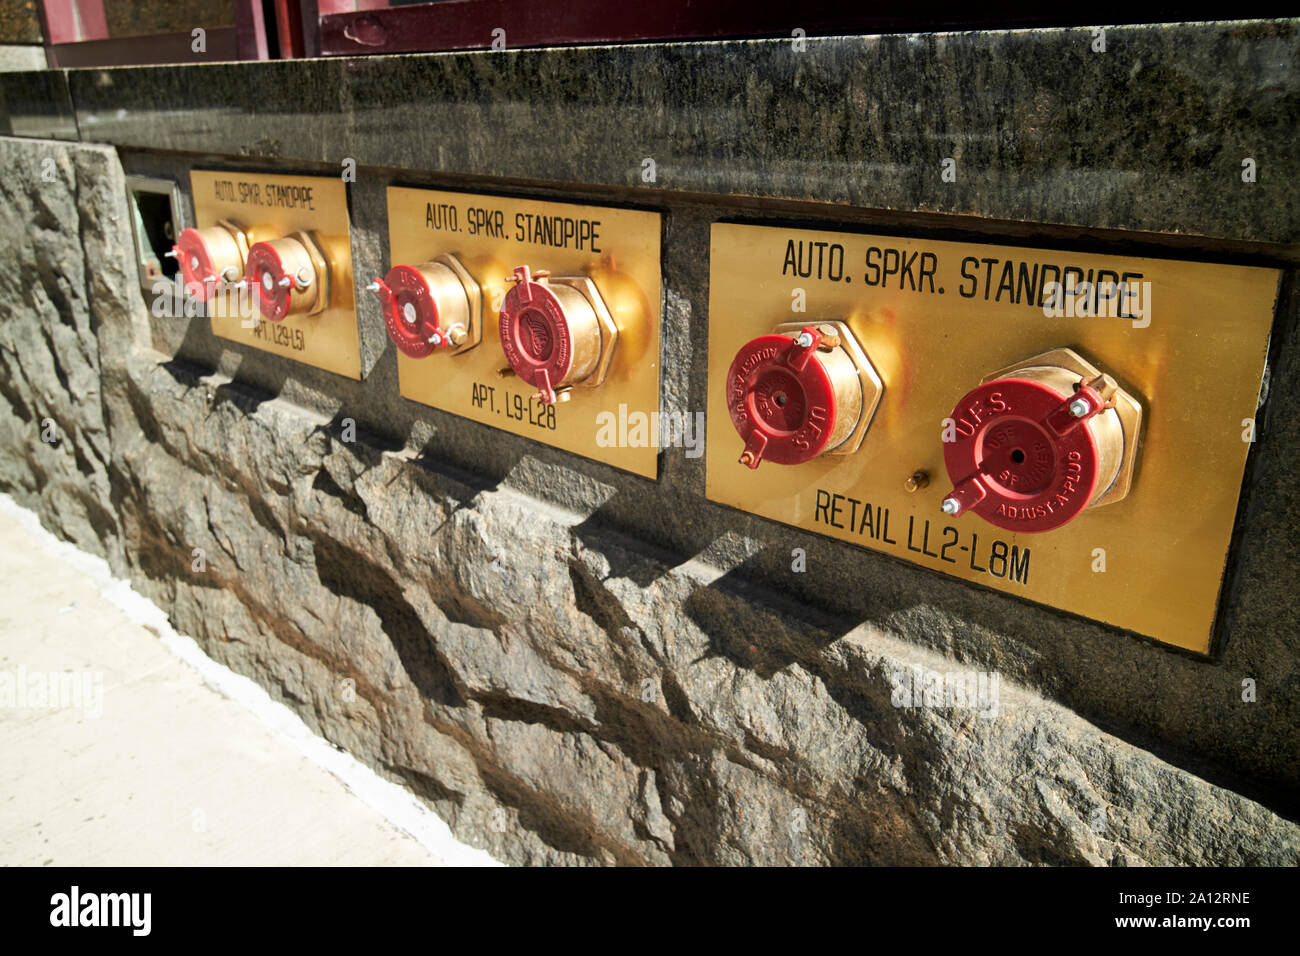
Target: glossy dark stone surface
x=1148 y=135
x=37 y=104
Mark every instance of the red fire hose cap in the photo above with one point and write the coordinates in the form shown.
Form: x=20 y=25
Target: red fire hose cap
x=535 y=334
x=266 y=272
x=410 y=312
x=781 y=399
x=1022 y=461
x=197 y=271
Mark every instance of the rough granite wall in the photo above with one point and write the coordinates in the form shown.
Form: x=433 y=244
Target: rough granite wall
x=556 y=690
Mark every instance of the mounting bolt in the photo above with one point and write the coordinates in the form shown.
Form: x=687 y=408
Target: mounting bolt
x=917 y=480
x=805 y=340
x=951 y=506
x=1079 y=407
x=1103 y=385
x=830 y=338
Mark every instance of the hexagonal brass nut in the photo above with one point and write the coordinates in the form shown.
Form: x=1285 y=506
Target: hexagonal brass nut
x=240 y=235
x=473 y=292
x=322 y=266
x=608 y=329
x=872 y=387
x=1128 y=408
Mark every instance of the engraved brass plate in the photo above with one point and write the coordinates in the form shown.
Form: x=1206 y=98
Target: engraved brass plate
x=618 y=249
x=269 y=206
x=935 y=319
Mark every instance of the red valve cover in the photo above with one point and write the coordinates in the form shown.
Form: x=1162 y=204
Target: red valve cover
x=410 y=311
x=265 y=271
x=781 y=399
x=196 y=264
x=535 y=334
x=1021 y=461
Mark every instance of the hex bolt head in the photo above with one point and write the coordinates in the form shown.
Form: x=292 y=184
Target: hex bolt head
x=373 y=286
x=805 y=340
x=1080 y=407
x=951 y=506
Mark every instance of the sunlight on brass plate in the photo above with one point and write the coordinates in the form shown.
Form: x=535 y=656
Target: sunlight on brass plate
x=938 y=318
x=274 y=207
x=488 y=237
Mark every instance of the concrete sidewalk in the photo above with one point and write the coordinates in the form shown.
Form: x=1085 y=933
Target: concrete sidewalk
x=118 y=752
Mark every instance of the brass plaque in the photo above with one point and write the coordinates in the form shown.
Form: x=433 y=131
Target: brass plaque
x=618 y=249
x=267 y=207
x=936 y=318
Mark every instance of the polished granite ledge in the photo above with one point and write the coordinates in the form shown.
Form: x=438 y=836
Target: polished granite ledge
x=1149 y=135
x=37 y=103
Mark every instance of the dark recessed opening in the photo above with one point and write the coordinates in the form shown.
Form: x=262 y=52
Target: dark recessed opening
x=156 y=234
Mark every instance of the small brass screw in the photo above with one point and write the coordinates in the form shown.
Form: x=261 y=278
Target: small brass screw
x=917 y=480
